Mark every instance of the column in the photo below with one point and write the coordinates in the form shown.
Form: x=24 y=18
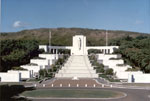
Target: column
x=53 y=51
x=108 y=51
x=103 y=51
x=56 y=51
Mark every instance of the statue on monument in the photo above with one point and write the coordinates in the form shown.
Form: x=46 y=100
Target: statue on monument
x=79 y=43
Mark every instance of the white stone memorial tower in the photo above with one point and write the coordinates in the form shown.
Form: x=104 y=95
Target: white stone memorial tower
x=79 y=45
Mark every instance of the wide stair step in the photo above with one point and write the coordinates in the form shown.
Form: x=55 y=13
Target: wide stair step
x=77 y=71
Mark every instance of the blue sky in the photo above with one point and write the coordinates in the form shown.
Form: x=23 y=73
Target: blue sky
x=129 y=15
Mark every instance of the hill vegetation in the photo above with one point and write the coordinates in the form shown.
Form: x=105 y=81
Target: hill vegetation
x=63 y=36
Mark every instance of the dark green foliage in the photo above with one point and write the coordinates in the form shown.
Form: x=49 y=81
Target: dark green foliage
x=99 y=67
x=95 y=51
x=132 y=69
x=17 y=52
x=60 y=61
x=109 y=71
x=64 y=51
x=18 y=68
x=135 y=51
x=44 y=73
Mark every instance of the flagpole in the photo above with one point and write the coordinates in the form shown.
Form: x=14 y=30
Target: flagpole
x=106 y=38
x=49 y=47
x=49 y=41
x=0 y=15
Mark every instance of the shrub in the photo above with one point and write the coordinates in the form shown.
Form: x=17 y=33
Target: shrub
x=109 y=71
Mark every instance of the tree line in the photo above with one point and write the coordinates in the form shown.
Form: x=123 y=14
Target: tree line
x=17 y=52
x=135 y=51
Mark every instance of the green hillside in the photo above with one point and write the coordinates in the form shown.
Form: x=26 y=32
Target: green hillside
x=63 y=36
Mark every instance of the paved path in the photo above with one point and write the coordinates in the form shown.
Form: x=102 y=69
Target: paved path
x=132 y=95
x=67 y=82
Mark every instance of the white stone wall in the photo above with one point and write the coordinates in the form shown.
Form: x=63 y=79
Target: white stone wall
x=49 y=56
x=116 y=64
x=34 y=69
x=107 y=56
x=104 y=49
x=111 y=63
x=39 y=62
x=138 y=78
x=24 y=74
x=10 y=77
x=119 y=69
x=42 y=63
x=43 y=47
x=125 y=74
x=49 y=59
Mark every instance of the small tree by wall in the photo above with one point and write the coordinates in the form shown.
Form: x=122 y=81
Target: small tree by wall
x=109 y=71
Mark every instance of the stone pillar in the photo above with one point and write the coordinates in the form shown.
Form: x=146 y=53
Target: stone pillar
x=103 y=51
x=56 y=51
x=111 y=50
x=106 y=51
x=53 y=51
x=50 y=50
x=129 y=78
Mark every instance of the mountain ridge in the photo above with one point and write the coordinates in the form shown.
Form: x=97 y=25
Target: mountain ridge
x=94 y=36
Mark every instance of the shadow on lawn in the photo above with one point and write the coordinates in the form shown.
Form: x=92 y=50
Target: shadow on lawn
x=11 y=92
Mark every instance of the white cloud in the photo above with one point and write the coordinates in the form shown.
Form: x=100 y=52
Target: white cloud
x=18 y=24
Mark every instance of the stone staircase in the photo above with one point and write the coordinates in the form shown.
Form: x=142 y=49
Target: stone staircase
x=77 y=66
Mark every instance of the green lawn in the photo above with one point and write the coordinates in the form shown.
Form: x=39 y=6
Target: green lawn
x=72 y=93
